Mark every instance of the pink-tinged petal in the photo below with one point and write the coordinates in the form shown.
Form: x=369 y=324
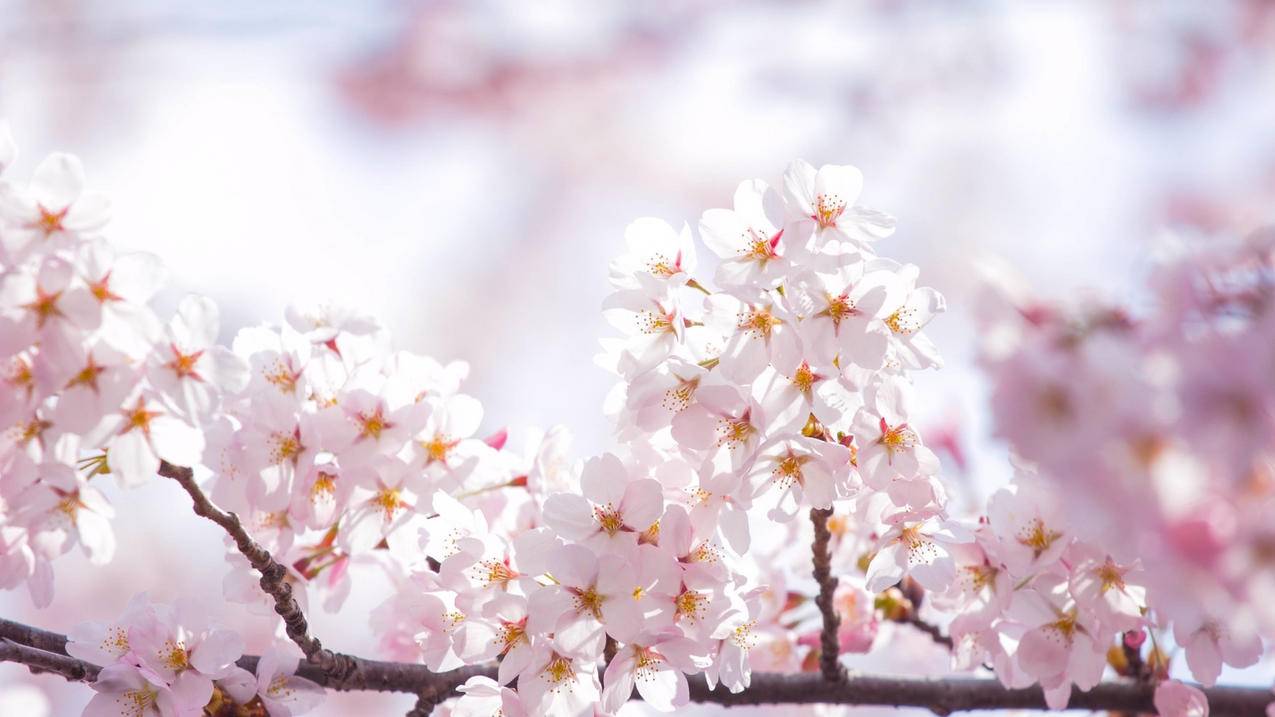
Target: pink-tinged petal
x=664 y=688
x=137 y=276
x=103 y=705
x=89 y=213
x=574 y=566
x=96 y=536
x=464 y=414
x=886 y=567
x=844 y=182
x=603 y=478
x=300 y=695
x=176 y=441
x=580 y=635
x=694 y=427
x=643 y=503
x=1242 y=650
x=618 y=681
x=1043 y=652
x=623 y=617
x=570 y=515
x=533 y=549
x=217 y=652
x=734 y=526
x=799 y=184
x=190 y=692
x=927 y=463
x=40 y=584
x=1174 y=699
x=1204 y=658
x=58 y=181
x=240 y=684
x=1057 y=696
x=683 y=653
x=133 y=461
x=676 y=531
x=196 y=324
x=937 y=574
x=231 y=371
x=514 y=662
x=55 y=275
x=545 y=607
x=721 y=230
x=81 y=309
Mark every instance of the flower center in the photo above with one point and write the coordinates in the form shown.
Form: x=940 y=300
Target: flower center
x=759 y=322
x=50 y=222
x=588 y=600
x=828 y=208
x=787 y=470
x=902 y=321
x=284 y=447
x=690 y=605
x=139 y=701
x=389 y=501
x=676 y=399
x=373 y=425
x=1037 y=537
x=609 y=518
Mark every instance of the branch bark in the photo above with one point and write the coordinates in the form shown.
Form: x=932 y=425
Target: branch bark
x=341 y=668
x=941 y=696
x=829 y=645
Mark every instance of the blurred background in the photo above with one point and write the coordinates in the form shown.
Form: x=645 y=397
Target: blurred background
x=465 y=170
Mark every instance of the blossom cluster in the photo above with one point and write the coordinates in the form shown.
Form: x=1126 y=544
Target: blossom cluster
x=780 y=387
x=167 y=660
x=1155 y=429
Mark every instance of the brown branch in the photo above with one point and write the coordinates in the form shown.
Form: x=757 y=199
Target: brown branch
x=956 y=694
x=341 y=668
x=46 y=651
x=942 y=696
x=830 y=646
x=929 y=629
x=39 y=661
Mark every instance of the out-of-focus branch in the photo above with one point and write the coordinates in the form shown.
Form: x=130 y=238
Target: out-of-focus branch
x=942 y=696
x=829 y=646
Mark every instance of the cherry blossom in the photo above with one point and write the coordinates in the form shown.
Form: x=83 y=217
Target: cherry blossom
x=1139 y=503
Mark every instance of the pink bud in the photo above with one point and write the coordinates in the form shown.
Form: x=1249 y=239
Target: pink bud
x=1133 y=639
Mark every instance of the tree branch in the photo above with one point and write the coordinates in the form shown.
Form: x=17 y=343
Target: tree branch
x=46 y=651
x=942 y=696
x=341 y=668
x=829 y=645
x=956 y=694
x=929 y=629
x=38 y=661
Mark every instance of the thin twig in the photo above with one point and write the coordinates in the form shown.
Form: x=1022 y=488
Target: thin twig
x=830 y=646
x=929 y=629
